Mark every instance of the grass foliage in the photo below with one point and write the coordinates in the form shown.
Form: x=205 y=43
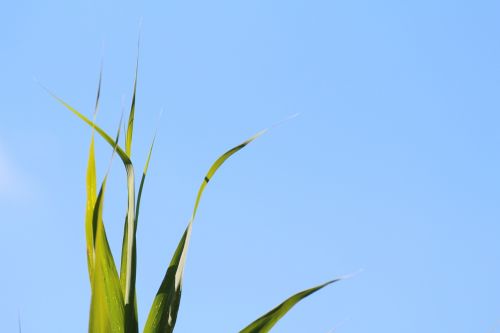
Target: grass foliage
x=113 y=306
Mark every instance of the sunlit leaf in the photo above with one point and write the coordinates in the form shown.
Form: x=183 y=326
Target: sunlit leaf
x=130 y=263
x=131 y=117
x=91 y=187
x=125 y=235
x=163 y=313
x=267 y=321
x=107 y=312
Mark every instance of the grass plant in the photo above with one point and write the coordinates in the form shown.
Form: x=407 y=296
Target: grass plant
x=113 y=306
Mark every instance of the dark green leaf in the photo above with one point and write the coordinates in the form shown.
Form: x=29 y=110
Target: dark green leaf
x=267 y=321
x=163 y=313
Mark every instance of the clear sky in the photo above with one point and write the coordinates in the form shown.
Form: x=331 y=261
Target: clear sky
x=392 y=167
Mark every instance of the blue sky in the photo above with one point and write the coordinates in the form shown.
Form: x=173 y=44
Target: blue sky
x=392 y=166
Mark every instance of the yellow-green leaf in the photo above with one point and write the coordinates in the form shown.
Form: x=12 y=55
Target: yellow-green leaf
x=130 y=265
x=119 y=150
x=91 y=199
x=91 y=187
x=130 y=127
x=107 y=312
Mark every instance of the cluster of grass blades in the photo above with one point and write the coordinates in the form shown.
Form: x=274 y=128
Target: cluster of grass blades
x=113 y=305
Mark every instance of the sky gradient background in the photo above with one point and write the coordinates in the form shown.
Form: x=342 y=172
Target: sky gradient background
x=392 y=167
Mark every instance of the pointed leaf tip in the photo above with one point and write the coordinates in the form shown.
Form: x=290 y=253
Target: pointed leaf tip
x=268 y=320
x=163 y=313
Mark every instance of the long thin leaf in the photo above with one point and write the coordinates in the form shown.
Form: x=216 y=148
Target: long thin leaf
x=143 y=178
x=130 y=267
x=119 y=150
x=91 y=199
x=91 y=185
x=107 y=307
x=107 y=310
x=267 y=321
x=130 y=127
x=125 y=237
x=129 y=262
x=163 y=313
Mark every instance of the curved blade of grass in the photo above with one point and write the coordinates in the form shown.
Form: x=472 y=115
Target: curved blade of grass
x=130 y=267
x=163 y=313
x=267 y=321
x=130 y=311
x=143 y=179
x=91 y=185
x=125 y=236
x=107 y=312
x=130 y=127
x=119 y=150
x=129 y=262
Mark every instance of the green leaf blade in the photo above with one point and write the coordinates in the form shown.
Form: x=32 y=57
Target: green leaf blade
x=267 y=321
x=119 y=150
x=107 y=305
x=143 y=179
x=130 y=267
x=130 y=126
x=90 y=228
x=91 y=189
x=163 y=313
